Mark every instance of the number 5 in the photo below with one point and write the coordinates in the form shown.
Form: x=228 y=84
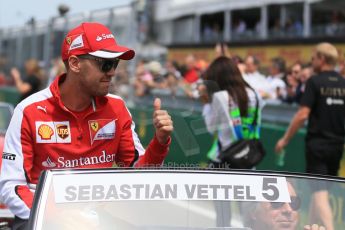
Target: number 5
x=269 y=184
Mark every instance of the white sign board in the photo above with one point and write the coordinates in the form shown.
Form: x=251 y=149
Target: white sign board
x=168 y=186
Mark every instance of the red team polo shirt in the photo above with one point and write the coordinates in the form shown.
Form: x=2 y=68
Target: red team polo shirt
x=44 y=134
x=191 y=76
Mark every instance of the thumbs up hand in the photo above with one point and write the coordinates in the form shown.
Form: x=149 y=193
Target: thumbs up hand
x=162 y=122
x=157 y=104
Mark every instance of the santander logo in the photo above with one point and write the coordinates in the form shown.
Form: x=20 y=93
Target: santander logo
x=64 y=162
x=104 y=36
x=48 y=163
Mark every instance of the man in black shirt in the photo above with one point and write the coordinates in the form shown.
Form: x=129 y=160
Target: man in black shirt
x=323 y=104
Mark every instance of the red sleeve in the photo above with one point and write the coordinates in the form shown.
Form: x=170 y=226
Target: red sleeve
x=17 y=166
x=131 y=152
x=154 y=154
x=25 y=194
x=27 y=142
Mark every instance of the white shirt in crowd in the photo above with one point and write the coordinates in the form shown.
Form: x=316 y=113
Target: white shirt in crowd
x=217 y=118
x=257 y=81
x=275 y=83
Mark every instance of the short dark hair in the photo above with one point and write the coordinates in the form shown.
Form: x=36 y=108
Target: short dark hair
x=256 y=60
x=306 y=65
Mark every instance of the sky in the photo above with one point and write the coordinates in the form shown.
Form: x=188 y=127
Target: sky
x=18 y=12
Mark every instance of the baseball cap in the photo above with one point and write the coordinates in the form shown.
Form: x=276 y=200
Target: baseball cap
x=94 y=39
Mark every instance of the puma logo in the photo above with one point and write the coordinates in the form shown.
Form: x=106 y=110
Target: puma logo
x=42 y=108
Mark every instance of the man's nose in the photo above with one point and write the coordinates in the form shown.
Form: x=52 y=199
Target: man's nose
x=286 y=208
x=111 y=72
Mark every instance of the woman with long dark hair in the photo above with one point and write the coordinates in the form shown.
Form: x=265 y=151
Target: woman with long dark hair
x=229 y=107
x=229 y=110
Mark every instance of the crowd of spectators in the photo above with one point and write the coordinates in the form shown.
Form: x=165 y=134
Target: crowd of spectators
x=276 y=83
x=171 y=78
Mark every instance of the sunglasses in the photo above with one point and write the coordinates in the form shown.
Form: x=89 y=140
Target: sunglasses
x=295 y=203
x=105 y=65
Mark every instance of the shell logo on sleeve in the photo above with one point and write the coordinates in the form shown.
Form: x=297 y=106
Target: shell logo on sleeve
x=45 y=132
x=53 y=132
x=102 y=129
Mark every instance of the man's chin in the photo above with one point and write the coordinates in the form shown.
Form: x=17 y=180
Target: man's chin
x=102 y=93
x=286 y=225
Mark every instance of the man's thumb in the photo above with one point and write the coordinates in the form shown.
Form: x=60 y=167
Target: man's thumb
x=157 y=104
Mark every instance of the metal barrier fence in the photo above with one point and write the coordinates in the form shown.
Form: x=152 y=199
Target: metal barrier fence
x=191 y=141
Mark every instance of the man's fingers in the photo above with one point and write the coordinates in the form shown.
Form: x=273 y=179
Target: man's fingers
x=314 y=227
x=162 y=117
x=157 y=104
x=160 y=113
x=163 y=122
x=277 y=148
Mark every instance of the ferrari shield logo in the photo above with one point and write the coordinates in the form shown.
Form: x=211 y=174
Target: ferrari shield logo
x=102 y=129
x=94 y=125
x=68 y=40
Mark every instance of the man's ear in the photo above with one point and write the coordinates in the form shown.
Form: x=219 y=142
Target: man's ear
x=322 y=58
x=74 y=63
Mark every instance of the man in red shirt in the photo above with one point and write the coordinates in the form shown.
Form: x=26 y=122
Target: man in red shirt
x=76 y=123
x=192 y=75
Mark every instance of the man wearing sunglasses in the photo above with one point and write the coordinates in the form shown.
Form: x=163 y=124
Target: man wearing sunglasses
x=76 y=123
x=275 y=215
